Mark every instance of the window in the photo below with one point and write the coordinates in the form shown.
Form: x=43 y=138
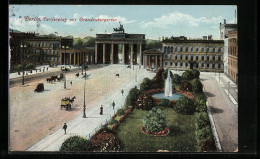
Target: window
x=171 y=57
x=181 y=57
x=219 y=66
x=202 y=65
x=168 y=50
x=202 y=57
x=171 y=49
x=214 y=49
x=187 y=49
x=197 y=49
x=186 y=57
x=213 y=65
x=54 y=52
x=49 y=51
x=214 y=58
x=191 y=58
x=219 y=49
x=197 y=65
x=191 y=49
x=176 y=64
x=208 y=49
x=165 y=49
x=181 y=49
x=176 y=57
x=186 y=64
x=166 y=56
x=207 y=58
x=176 y=49
x=219 y=58
x=202 y=49
x=207 y=65
x=170 y=63
x=197 y=58
x=165 y=63
x=181 y=64
x=57 y=52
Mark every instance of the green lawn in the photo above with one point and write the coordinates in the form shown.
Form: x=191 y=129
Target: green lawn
x=181 y=137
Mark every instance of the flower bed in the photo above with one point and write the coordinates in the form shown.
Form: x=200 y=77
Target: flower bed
x=165 y=132
x=153 y=91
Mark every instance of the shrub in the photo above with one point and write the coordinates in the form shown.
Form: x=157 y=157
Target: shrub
x=106 y=141
x=165 y=73
x=145 y=102
x=186 y=86
x=205 y=140
x=202 y=120
x=184 y=105
x=132 y=96
x=155 y=120
x=197 y=86
x=146 y=84
x=165 y=102
x=30 y=66
x=176 y=78
x=76 y=143
x=187 y=75
x=113 y=121
x=195 y=73
x=200 y=102
x=120 y=112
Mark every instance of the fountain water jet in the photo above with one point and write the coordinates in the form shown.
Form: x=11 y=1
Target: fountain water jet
x=168 y=85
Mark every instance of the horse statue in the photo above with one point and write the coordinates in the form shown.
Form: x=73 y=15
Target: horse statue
x=120 y=29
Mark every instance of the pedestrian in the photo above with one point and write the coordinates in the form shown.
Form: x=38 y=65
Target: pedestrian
x=113 y=105
x=101 y=110
x=71 y=83
x=122 y=91
x=47 y=68
x=65 y=127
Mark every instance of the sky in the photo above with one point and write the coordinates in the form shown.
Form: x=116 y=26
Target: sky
x=155 y=21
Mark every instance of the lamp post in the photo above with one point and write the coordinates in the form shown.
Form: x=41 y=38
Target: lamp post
x=84 y=106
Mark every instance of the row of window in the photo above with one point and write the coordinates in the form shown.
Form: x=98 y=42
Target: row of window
x=55 y=52
x=171 y=49
x=46 y=58
x=191 y=57
x=196 y=65
x=41 y=44
x=232 y=50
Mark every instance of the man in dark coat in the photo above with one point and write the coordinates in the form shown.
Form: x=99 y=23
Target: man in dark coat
x=113 y=105
x=122 y=91
x=65 y=127
x=101 y=110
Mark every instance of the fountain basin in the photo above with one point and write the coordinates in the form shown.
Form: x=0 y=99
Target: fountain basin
x=175 y=96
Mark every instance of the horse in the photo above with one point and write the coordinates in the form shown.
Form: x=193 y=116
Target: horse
x=72 y=100
x=77 y=75
x=54 y=77
x=48 y=80
x=117 y=75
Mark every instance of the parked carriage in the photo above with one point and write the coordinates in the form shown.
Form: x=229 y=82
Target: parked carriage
x=39 y=88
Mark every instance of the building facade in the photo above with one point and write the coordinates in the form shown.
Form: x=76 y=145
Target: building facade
x=232 y=55
x=180 y=53
x=152 y=59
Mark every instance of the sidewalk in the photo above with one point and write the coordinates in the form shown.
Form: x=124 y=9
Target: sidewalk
x=87 y=126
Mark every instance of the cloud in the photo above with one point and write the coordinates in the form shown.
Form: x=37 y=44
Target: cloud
x=178 y=18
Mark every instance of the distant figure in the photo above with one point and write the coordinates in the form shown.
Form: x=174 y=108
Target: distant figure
x=47 y=68
x=113 y=105
x=122 y=91
x=101 y=110
x=71 y=83
x=65 y=127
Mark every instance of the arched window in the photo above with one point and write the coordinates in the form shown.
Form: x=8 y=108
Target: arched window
x=181 y=57
x=191 y=49
x=197 y=57
x=181 y=49
x=176 y=49
x=202 y=49
x=207 y=58
x=176 y=57
x=186 y=57
x=187 y=49
x=191 y=58
x=197 y=49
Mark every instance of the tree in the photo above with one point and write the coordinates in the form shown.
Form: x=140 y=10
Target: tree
x=195 y=73
x=146 y=84
x=187 y=75
x=165 y=73
x=186 y=86
x=76 y=143
x=158 y=81
x=176 y=78
x=184 y=105
x=155 y=120
x=200 y=102
x=132 y=96
x=90 y=42
x=153 y=44
x=145 y=102
x=197 y=86
x=106 y=141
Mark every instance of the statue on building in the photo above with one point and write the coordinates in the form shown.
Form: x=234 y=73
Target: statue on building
x=120 y=29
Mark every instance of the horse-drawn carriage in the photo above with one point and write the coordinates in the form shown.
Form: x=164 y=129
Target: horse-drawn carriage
x=39 y=88
x=67 y=102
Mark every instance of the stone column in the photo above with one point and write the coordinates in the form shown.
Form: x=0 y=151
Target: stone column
x=132 y=54
x=104 y=53
x=78 y=58
x=70 y=59
x=140 y=59
x=144 y=62
x=123 y=54
x=112 y=54
x=156 y=61
x=74 y=58
x=96 y=53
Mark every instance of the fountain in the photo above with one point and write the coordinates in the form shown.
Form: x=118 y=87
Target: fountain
x=168 y=85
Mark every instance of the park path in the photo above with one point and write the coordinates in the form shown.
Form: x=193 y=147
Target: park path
x=87 y=126
x=223 y=108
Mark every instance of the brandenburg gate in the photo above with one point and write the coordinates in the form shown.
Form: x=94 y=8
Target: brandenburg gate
x=119 y=47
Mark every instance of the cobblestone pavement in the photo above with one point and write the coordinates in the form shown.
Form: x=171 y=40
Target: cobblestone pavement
x=222 y=102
